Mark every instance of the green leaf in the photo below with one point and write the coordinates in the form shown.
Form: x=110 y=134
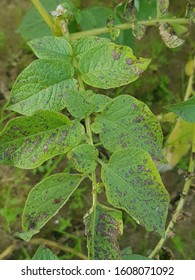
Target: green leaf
x=133 y=184
x=27 y=142
x=84 y=157
x=45 y=200
x=109 y=66
x=128 y=255
x=147 y=10
x=33 y=25
x=43 y=253
x=99 y=101
x=78 y=104
x=51 y=47
x=127 y=122
x=96 y=17
x=185 y=110
x=81 y=104
x=103 y=226
x=83 y=45
x=135 y=257
x=42 y=86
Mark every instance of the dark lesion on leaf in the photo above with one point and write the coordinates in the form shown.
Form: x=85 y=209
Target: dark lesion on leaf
x=116 y=53
x=57 y=200
x=129 y=61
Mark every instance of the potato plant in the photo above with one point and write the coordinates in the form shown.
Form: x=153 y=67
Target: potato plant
x=66 y=75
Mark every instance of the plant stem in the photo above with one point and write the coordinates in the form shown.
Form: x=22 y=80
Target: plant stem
x=43 y=12
x=123 y=26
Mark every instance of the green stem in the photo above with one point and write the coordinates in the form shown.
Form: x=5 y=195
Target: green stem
x=43 y=12
x=123 y=26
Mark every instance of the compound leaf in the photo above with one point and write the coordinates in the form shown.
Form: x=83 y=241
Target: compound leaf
x=42 y=86
x=110 y=65
x=133 y=184
x=185 y=109
x=51 y=47
x=27 y=142
x=43 y=253
x=126 y=122
x=103 y=226
x=84 y=157
x=45 y=200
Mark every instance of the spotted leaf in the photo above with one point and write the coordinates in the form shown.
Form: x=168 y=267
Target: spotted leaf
x=27 y=142
x=42 y=86
x=45 y=200
x=127 y=122
x=133 y=184
x=84 y=157
x=109 y=66
x=103 y=226
x=51 y=47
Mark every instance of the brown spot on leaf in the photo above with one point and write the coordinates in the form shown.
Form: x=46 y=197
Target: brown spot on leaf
x=57 y=200
x=116 y=54
x=129 y=61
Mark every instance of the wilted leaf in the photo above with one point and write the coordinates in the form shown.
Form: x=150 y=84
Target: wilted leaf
x=42 y=86
x=43 y=253
x=127 y=122
x=109 y=65
x=45 y=200
x=185 y=109
x=133 y=184
x=138 y=30
x=178 y=142
x=162 y=7
x=27 y=142
x=51 y=47
x=103 y=226
x=84 y=157
x=169 y=36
